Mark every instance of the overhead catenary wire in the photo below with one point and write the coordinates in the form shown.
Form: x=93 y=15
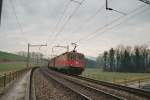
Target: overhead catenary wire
x=66 y=22
x=93 y=34
x=97 y=30
x=111 y=9
x=110 y=28
x=17 y=20
x=89 y=19
x=114 y=26
x=145 y=1
x=59 y=20
x=96 y=35
x=57 y=24
x=63 y=13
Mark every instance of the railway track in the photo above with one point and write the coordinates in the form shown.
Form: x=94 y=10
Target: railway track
x=46 y=88
x=82 y=96
x=84 y=90
x=100 y=88
x=135 y=91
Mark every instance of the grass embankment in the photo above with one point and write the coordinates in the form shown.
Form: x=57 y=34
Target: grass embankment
x=98 y=74
x=6 y=57
x=12 y=66
x=9 y=62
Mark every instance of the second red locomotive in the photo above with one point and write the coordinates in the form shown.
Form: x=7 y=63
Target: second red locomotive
x=69 y=62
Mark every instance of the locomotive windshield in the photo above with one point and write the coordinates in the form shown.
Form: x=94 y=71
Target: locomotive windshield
x=72 y=56
x=75 y=56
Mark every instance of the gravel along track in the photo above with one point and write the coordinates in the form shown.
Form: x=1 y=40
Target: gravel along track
x=86 y=90
x=120 y=93
x=48 y=89
x=126 y=92
x=125 y=95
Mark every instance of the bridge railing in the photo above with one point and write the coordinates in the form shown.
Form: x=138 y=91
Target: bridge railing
x=8 y=77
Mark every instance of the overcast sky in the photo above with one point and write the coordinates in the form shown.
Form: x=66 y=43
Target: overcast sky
x=34 y=21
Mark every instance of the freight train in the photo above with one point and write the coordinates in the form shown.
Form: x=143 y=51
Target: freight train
x=69 y=62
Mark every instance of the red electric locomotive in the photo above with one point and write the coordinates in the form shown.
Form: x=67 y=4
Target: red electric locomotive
x=69 y=62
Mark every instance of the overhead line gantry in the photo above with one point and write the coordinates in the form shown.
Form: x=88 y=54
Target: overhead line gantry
x=30 y=45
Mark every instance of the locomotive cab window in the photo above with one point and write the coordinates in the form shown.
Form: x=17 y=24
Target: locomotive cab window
x=72 y=56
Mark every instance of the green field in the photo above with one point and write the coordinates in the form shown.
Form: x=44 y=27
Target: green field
x=12 y=66
x=112 y=76
x=9 y=62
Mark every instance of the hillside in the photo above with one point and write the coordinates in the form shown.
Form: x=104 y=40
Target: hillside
x=9 y=62
x=91 y=58
x=90 y=63
x=9 y=57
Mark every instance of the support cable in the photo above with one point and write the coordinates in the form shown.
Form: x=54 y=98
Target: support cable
x=69 y=18
x=17 y=20
x=96 y=35
x=108 y=24
x=145 y=1
x=60 y=19
x=63 y=13
x=89 y=19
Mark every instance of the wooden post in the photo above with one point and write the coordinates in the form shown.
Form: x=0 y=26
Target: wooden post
x=13 y=75
x=4 y=79
x=114 y=80
x=28 y=57
x=9 y=77
x=125 y=82
x=139 y=84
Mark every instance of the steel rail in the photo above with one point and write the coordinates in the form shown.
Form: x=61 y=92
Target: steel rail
x=98 y=91
x=139 y=92
x=84 y=97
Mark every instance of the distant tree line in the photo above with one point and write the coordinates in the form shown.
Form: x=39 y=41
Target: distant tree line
x=126 y=59
x=32 y=54
x=35 y=57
